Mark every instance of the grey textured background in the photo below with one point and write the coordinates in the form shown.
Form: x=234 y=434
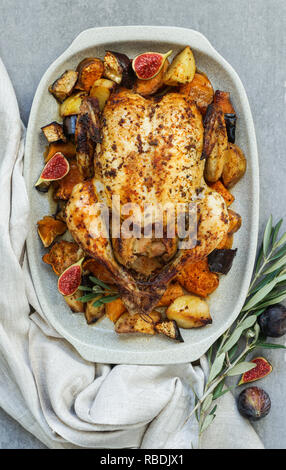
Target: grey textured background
x=250 y=34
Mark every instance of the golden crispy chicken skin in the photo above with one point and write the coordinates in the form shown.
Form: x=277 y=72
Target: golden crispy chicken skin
x=151 y=153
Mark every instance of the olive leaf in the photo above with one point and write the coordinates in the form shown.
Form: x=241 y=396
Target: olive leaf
x=270 y=346
x=207 y=403
x=216 y=367
x=279 y=253
x=281 y=262
x=273 y=301
x=281 y=241
x=267 y=236
x=260 y=295
x=207 y=422
x=213 y=410
x=241 y=368
x=247 y=323
x=276 y=231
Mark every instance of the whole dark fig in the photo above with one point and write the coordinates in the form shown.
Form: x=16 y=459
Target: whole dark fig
x=272 y=322
x=254 y=403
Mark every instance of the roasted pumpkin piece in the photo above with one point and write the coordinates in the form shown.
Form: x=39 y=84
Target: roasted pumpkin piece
x=200 y=90
x=128 y=323
x=62 y=255
x=222 y=100
x=182 y=69
x=149 y=87
x=173 y=291
x=49 y=228
x=189 y=311
x=89 y=70
x=234 y=167
x=197 y=278
x=169 y=328
x=221 y=189
x=92 y=313
x=215 y=143
x=72 y=104
x=64 y=85
x=63 y=188
x=114 y=310
x=66 y=148
x=75 y=305
x=226 y=242
x=54 y=132
x=98 y=270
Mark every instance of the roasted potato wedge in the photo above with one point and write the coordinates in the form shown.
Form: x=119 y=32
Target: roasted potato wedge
x=114 y=310
x=173 y=291
x=200 y=90
x=50 y=228
x=215 y=143
x=149 y=87
x=92 y=314
x=197 y=278
x=189 y=311
x=221 y=189
x=63 y=188
x=234 y=167
x=72 y=104
x=75 y=305
x=62 y=255
x=89 y=70
x=64 y=85
x=68 y=149
x=169 y=328
x=182 y=70
x=102 y=90
x=128 y=323
x=54 y=132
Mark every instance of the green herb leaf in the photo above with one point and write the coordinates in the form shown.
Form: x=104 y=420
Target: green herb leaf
x=276 y=230
x=267 y=236
x=109 y=298
x=281 y=262
x=260 y=295
x=213 y=410
x=269 y=346
x=216 y=367
x=217 y=391
x=207 y=422
x=207 y=403
x=240 y=368
x=281 y=241
x=85 y=288
x=87 y=298
x=99 y=282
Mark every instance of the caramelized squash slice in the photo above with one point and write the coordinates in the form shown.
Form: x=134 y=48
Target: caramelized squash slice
x=114 y=310
x=89 y=70
x=63 y=188
x=221 y=189
x=98 y=270
x=149 y=87
x=173 y=291
x=197 y=278
x=62 y=255
x=49 y=228
x=200 y=90
x=66 y=148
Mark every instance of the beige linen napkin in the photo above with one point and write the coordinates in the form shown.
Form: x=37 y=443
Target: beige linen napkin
x=65 y=401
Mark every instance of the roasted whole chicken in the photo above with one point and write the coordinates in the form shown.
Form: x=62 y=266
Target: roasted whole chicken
x=150 y=154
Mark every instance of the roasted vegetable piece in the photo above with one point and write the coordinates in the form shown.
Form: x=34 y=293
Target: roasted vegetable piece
x=222 y=100
x=62 y=255
x=92 y=314
x=72 y=104
x=60 y=213
x=147 y=65
x=234 y=167
x=49 y=228
x=63 y=86
x=234 y=222
x=75 y=305
x=197 y=278
x=54 y=132
x=98 y=270
x=69 y=124
x=220 y=261
x=118 y=67
x=89 y=70
x=87 y=135
x=63 y=188
x=189 y=311
x=67 y=149
x=149 y=87
x=182 y=70
x=173 y=291
x=230 y=122
x=215 y=143
x=221 y=189
x=101 y=90
x=169 y=328
x=128 y=323
x=200 y=90
x=114 y=310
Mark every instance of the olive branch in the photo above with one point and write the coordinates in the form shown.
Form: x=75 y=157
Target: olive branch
x=101 y=292
x=227 y=357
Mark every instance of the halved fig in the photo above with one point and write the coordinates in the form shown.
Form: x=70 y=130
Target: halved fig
x=262 y=369
x=70 y=280
x=149 y=64
x=56 y=169
x=118 y=67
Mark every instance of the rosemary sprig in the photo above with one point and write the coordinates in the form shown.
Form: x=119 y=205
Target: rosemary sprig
x=101 y=292
x=225 y=357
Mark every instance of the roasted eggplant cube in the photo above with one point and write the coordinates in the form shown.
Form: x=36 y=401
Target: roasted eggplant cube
x=118 y=67
x=69 y=124
x=169 y=328
x=63 y=86
x=230 y=122
x=54 y=132
x=220 y=261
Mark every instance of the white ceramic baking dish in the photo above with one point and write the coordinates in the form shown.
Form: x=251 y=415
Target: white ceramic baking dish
x=99 y=342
